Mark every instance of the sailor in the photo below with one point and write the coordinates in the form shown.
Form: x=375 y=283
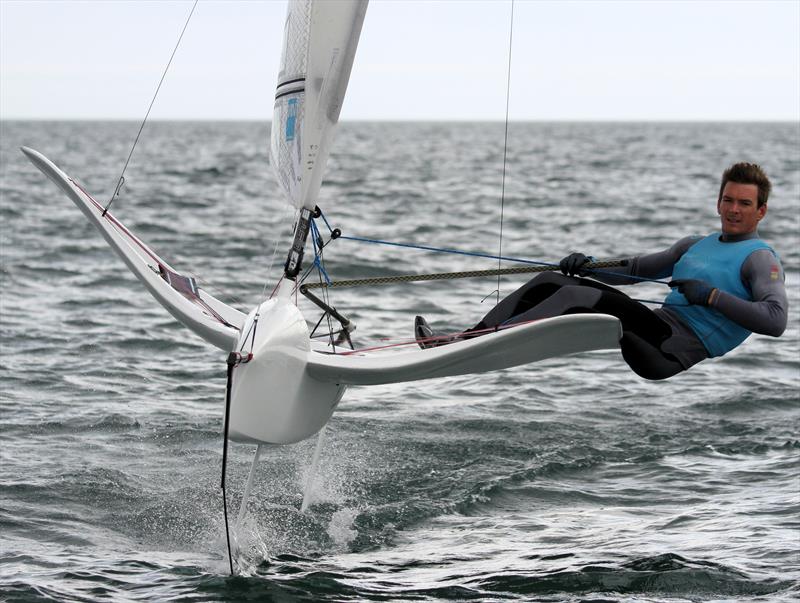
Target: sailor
x=724 y=286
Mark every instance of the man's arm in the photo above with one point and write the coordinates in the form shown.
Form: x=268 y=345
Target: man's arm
x=767 y=313
x=651 y=265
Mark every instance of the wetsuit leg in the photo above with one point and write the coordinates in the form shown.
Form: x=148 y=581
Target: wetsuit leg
x=530 y=295
x=646 y=360
x=556 y=295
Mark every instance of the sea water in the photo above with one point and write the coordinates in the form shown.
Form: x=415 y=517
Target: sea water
x=567 y=480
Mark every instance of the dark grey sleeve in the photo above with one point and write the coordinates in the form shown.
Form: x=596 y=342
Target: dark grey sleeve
x=767 y=314
x=652 y=265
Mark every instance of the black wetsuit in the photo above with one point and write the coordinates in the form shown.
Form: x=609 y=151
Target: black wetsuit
x=656 y=344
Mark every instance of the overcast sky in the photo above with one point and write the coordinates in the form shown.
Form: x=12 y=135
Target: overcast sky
x=627 y=60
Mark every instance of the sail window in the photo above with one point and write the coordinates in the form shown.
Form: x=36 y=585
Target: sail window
x=182 y=284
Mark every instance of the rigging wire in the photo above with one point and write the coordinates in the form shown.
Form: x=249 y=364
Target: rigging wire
x=319 y=262
x=505 y=149
x=486 y=255
x=283 y=220
x=336 y=234
x=121 y=180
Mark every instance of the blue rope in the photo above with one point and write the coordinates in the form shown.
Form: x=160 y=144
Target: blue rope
x=445 y=250
x=492 y=257
x=325 y=220
x=486 y=255
x=314 y=237
x=317 y=257
x=322 y=271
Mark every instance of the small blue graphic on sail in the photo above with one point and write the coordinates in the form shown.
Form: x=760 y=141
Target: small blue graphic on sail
x=291 y=119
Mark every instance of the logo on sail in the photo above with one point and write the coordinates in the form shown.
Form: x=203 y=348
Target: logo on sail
x=291 y=119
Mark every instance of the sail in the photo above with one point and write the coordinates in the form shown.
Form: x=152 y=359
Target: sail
x=319 y=45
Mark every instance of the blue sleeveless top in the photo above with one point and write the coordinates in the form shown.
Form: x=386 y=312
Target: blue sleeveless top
x=720 y=265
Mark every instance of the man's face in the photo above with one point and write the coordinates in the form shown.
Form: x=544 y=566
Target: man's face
x=738 y=208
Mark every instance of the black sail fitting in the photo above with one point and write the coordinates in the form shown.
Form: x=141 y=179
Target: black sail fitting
x=294 y=261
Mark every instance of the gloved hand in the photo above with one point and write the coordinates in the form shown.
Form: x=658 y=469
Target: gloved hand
x=695 y=291
x=573 y=264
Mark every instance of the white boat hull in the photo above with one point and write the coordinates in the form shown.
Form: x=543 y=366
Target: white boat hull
x=274 y=399
x=287 y=391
